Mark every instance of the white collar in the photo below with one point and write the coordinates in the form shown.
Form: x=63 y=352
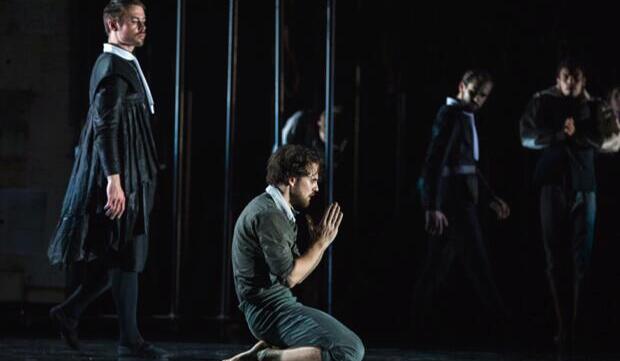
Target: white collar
x=127 y=55
x=281 y=203
x=117 y=50
x=454 y=101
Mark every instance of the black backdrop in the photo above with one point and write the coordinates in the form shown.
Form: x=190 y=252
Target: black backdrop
x=410 y=56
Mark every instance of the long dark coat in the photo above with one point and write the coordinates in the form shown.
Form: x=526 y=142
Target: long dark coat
x=116 y=139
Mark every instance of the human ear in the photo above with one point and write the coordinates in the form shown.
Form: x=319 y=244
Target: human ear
x=113 y=24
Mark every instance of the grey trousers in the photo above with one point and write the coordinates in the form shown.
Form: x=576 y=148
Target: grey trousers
x=292 y=324
x=567 y=222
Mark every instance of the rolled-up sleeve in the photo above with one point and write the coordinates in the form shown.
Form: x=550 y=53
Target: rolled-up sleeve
x=276 y=235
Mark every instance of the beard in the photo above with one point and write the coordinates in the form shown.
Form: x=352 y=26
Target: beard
x=298 y=201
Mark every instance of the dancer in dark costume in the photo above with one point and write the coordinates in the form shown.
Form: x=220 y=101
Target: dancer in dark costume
x=449 y=187
x=104 y=221
x=566 y=125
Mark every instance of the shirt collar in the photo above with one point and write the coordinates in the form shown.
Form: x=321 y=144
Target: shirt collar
x=452 y=101
x=116 y=50
x=127 y=55
x=281 y=203
x=456 y=102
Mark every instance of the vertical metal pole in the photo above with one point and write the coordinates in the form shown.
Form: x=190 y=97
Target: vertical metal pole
x=231 y=97
x=401 y=116
x=357 y=123
x=284 y=44
x=178 y=182
x=277 y=66
x=356 y=145
x=329 y=130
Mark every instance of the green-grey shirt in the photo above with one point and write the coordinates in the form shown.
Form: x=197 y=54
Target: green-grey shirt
x=263 y=252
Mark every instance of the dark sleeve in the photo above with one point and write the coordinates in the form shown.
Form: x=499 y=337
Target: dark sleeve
x=534 y=134
x=108 y=103
x=276 y=239
x=446 y=130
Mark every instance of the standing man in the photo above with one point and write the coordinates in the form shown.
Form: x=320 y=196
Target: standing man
x=267 y=264
x=104 y=223
x=449 y=187
x=563 y=123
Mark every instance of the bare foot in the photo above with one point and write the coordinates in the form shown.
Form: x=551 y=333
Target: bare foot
x=249 y=355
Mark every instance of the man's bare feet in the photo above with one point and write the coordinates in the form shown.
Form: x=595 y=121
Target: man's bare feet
x=249 y=355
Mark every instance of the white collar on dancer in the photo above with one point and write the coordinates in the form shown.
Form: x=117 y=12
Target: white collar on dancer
x=472 y=122
x=281 y=203
x=109 y=48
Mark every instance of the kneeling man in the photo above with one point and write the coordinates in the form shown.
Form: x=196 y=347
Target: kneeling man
x=267 y=264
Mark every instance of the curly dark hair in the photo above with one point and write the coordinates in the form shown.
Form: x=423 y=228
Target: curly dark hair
x=115 y=10
x=290 y=160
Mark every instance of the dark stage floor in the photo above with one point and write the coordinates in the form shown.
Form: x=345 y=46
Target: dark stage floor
x=99 y=350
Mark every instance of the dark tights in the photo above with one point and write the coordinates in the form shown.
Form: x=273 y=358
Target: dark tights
x=97 y=279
